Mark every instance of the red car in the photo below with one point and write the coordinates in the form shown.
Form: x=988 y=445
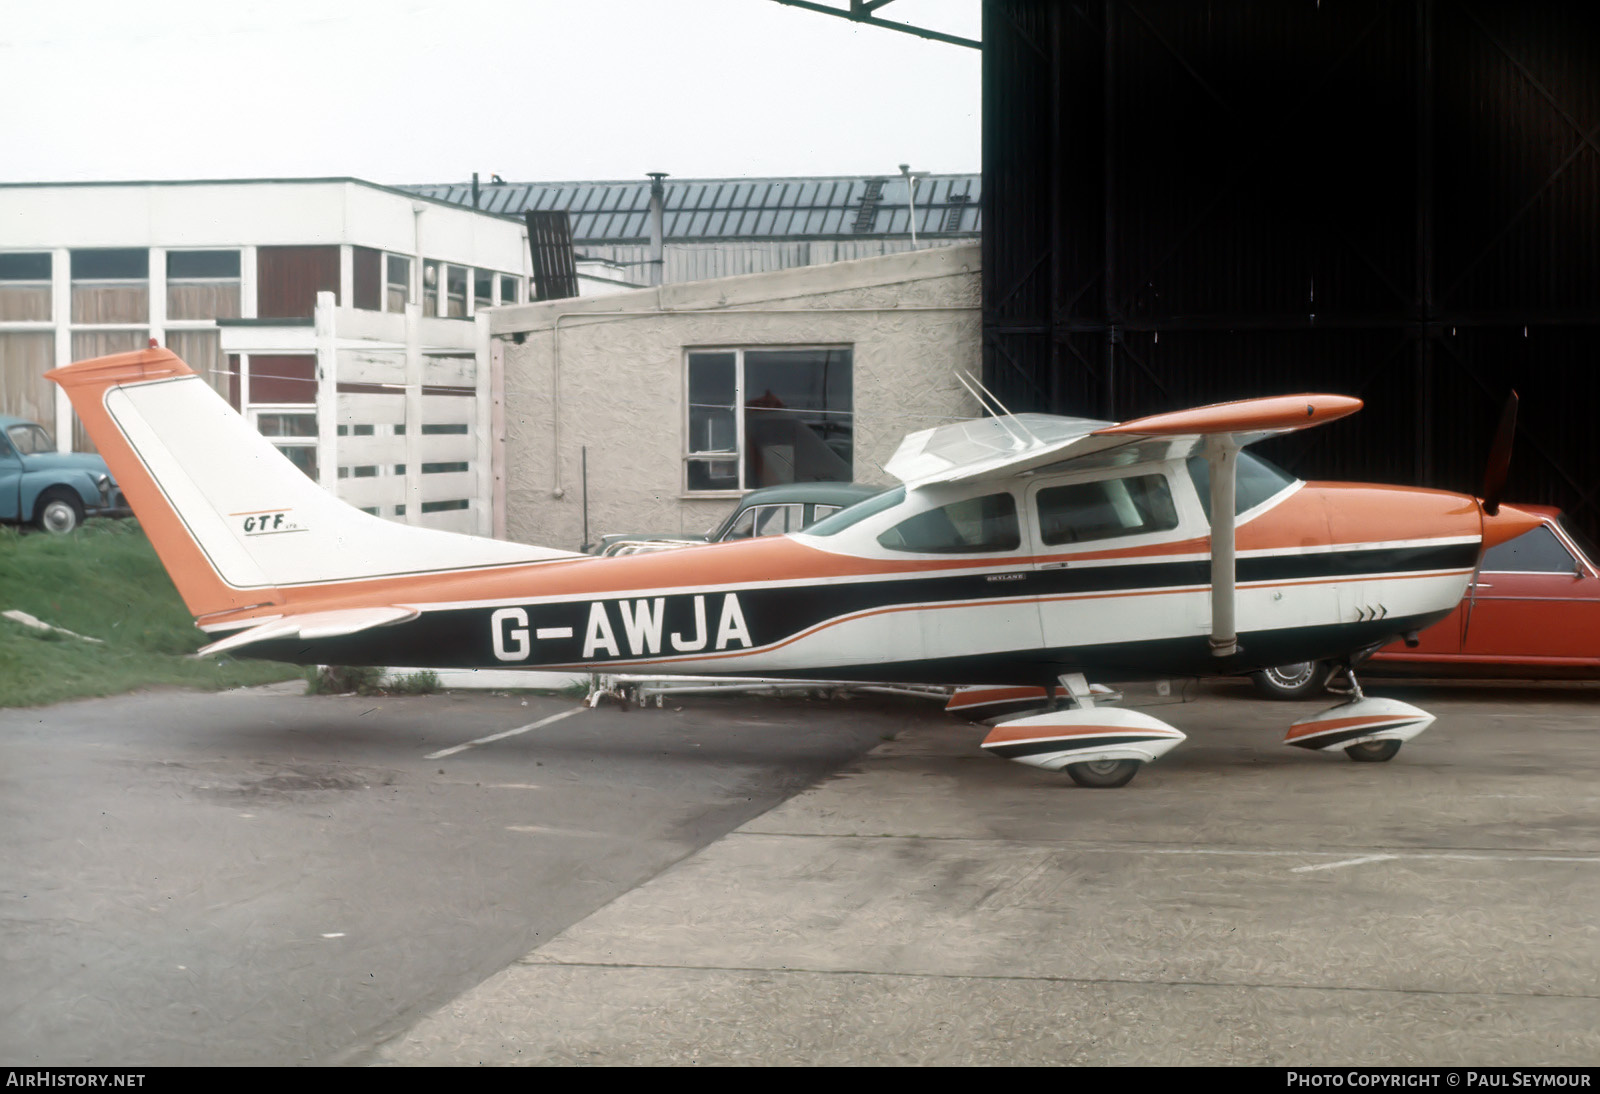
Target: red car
x=1533 y=611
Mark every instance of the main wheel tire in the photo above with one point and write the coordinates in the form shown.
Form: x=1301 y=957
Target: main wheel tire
x=58 y=513
x=1373 y=752
x=1299 y=680
x=1104 y=773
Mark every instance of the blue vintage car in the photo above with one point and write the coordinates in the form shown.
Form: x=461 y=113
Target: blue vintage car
x=50 y=489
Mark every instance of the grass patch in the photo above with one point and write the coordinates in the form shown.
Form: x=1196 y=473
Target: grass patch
x=103 y=581
x=366 y=680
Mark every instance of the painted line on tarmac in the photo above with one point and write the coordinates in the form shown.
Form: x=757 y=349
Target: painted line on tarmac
x=1340 y=865
x=540 y=724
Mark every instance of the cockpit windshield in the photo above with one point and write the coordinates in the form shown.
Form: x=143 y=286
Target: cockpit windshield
x=860 y=511
x=1257 y=482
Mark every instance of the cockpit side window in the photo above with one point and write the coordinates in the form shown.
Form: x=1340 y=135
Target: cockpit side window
x=1105 y=509
x=973 y=526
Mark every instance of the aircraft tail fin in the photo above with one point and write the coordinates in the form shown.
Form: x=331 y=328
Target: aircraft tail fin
x=233 y=520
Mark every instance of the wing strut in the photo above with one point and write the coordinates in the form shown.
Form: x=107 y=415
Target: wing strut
x=1222 y=455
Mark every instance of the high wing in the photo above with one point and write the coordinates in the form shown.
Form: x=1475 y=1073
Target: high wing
x=1019 y=443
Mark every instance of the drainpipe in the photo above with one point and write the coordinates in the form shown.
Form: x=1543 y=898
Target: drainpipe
x=658 y=193
x=911 y=200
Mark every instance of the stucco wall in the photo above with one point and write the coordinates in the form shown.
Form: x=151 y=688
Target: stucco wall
x=913 y=321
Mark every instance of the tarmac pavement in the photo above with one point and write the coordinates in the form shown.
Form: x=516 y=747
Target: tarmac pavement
x=1238 y=903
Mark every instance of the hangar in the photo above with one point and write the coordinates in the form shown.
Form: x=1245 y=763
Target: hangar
x=1392 y=199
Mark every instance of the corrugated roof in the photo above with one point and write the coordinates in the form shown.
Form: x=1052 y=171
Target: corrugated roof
x=711 y=210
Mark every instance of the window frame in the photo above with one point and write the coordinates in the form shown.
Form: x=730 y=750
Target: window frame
x=739 y=455
x=1048 y=545
x=1502 y=549
x=1180 y=491
x=254 y=413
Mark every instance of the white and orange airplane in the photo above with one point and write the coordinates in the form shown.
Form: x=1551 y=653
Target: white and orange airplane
x=1021 y=554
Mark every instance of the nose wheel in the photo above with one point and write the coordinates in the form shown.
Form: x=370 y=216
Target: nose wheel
x=1373 y=752
x=1106 y=774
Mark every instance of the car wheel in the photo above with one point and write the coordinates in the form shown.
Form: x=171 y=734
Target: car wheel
x=58 y=513
x=1373 y=752
x=1104 y=773
x=1295 y=681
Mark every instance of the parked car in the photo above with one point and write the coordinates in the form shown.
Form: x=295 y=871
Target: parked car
x=1533 y=610
x=772 y=510
x=53 y=490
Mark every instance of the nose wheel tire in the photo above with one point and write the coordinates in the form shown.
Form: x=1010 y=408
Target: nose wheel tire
x=1104 y=773
x=1373 y=752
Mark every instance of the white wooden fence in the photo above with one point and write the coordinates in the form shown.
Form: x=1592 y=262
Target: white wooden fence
x=414 y=442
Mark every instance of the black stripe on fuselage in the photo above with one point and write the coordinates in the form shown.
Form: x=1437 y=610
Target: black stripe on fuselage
x=686 y=624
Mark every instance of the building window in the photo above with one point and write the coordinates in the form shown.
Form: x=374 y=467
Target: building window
x=455 y=279
x=508 y=289
x=482 y=290
x=761 y=417
x=203 y=284
x=25 y=356
x=430 y=287
x=292 y=432
x=397 y=281
x=111 y=286
x=25 y=288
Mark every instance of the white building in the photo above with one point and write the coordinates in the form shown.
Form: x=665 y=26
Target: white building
x=228 y=275
x=678 y=399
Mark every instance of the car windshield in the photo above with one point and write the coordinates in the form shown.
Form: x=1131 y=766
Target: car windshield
x=1580 y=537
x=861 y=510
x=30 y=439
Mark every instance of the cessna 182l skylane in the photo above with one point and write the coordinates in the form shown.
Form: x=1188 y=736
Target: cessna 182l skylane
x=1022 y=552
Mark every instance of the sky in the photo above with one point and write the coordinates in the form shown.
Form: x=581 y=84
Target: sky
x=415 y=91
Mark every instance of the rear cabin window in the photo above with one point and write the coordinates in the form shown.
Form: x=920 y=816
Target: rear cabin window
x=976 y=525
x=1105 y=509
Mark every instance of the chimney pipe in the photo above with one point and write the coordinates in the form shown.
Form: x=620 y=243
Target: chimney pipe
x=474 y=189
x=658 y=193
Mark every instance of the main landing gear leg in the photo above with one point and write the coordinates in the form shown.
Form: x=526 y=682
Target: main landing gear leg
x=1098 y=746
x=1367 y=730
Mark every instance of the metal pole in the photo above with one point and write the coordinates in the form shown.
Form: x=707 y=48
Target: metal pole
x=658 y=193
x=1221 y=458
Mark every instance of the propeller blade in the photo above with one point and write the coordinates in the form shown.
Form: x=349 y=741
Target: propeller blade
x=1494 y=475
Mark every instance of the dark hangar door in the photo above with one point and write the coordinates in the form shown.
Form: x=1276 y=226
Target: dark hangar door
x=1188 y=203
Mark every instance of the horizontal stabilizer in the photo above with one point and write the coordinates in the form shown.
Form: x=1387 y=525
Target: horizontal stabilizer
x=329 y=624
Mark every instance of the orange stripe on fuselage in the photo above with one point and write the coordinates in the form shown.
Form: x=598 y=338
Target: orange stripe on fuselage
x=1300 y=521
